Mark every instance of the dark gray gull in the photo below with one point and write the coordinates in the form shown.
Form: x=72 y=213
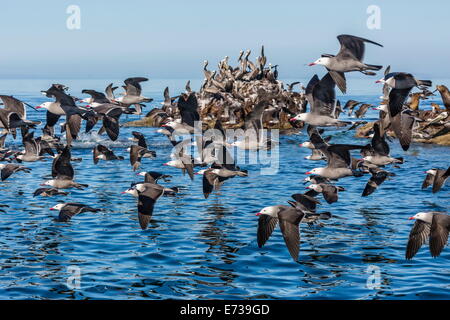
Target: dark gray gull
x=254 y=138
x=436 y=177
x=349 y=58
x=377 y=152
x=316 y=154
x=188 y=108
x=289 y=219
x=377 y=178
x=6 y=170
x=315 y=179
x=139 y=151
x=68 y=210
x=97 y=98
x=362 y=110
x=2 y=142
x=329 y=192
x=403 y=81
x=432 y=226
x=63 y=173
x=253 y=125
x=54 y=110
x=74 y=114
x=132 y=94
x=214 y=177
x=136 y=155
x=339 y=162
x=153 y=176
x=180 y=159
x=303 y=209
x=401 y=120
x=150 y=178
x=223 y=169
x=101 y=152
x=322 y=104
x=110 y=115
x=14 y=114
x=48 y=192
x=148 y=194
x=109 y=92
x=168 y=105
x=350 y=105
x=34 y=148
x=386 y=88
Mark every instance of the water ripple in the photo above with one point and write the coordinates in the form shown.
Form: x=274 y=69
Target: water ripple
x=197 y=248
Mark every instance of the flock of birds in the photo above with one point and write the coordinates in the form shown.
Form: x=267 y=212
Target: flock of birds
x=251 y=97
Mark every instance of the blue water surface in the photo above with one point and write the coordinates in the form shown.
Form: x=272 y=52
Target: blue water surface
x=206 y=249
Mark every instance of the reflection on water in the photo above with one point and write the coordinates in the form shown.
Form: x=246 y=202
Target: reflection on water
x=197 y=248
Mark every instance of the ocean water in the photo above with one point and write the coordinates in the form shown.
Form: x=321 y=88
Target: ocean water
x=206 y=249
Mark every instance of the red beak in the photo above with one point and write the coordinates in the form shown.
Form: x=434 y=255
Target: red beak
x=258 y=214
x=292 y=119
x=38 y=107
x=378 y=81
x=309 y=172
x=411 y=218
x=52 y=209
x=311 y=64
x=165 y=164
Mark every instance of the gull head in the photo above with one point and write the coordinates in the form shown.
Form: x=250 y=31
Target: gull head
x=58 y=206
x=423 y=216
x=324 y=61
x=270 y=211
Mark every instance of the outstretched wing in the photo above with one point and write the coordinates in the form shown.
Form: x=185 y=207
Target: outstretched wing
x=417 y=237
x=61 y=167
x=266 y=225
x=352 y=46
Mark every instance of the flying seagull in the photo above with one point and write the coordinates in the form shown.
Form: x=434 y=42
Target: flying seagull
x=349 y=58
x=429 y=225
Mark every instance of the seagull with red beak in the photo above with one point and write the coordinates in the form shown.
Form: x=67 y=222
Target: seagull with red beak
x=432 y=226
x=68 y=210
x=349 y=58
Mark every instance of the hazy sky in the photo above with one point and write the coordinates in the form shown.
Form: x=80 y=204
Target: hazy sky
x=170 y=39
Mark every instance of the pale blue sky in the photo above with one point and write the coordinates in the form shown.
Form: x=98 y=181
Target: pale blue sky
x=170 y=39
